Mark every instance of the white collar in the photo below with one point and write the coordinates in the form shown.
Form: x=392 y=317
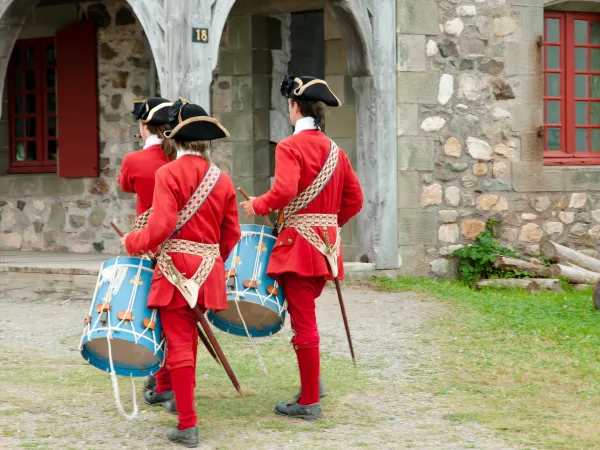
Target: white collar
x=180 y=153
x=306 y=123
x=152 y=140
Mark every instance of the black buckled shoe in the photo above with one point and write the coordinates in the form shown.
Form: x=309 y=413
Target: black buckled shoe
x=322 y=392
x=297 y=411
x=166 y=399
x=188 y=437
x=150 y=383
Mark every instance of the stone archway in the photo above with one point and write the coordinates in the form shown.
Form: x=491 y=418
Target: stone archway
x=366 y=28
x=14 y=13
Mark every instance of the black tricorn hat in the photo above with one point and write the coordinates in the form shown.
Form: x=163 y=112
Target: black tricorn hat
x=153 y=111
x=190 y=122
x=308 y=88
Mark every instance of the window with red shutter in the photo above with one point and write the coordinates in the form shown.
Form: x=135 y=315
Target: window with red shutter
x=571 y=88
x=77 y=98
x=32 y=107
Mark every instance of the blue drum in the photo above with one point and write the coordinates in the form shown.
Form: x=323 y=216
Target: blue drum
x=256 y=303
x=120 y=331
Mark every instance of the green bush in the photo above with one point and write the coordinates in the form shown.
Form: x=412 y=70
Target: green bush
x=477 y=260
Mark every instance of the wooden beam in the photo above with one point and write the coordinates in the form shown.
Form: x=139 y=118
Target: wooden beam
x=275 y=6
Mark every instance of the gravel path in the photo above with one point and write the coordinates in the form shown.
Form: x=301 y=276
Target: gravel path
x=385 y=329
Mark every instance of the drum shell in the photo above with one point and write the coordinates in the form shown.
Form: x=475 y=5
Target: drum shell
x=263 y=313
x=136 y=350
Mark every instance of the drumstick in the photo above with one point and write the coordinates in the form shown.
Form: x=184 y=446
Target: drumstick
x=266 y=219
x=119 y=232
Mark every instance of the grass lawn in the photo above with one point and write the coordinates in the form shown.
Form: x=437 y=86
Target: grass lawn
x=525 y=364
x=65 y=403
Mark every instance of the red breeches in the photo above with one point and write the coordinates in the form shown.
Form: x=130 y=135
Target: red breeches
x=301 y=293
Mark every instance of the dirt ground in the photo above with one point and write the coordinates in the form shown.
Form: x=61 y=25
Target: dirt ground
x=37 y=337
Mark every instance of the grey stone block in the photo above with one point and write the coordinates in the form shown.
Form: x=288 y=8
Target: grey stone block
x=532 y=147
x=415 y=153
x=416 y=226
x=417 y=87
x=411 y=53
x=409 y=188
x=527 y=117
x=335 y=58
x=240 y=32
x=241 y=93
x=261 y=91
x=413 y=259
x=239 y=125
x=532 y=23
x=262 y=62
x=261 y=163
x=408 y=114
x=522 y=58
x=417 y=17
x=261 y=124
x=341 y=122
x=243 y=159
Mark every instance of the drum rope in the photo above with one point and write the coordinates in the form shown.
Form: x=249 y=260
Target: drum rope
x=115 y=385
x=254 y=278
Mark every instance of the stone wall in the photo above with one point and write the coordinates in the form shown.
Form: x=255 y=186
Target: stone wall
x=470 y=106
x=45 y=212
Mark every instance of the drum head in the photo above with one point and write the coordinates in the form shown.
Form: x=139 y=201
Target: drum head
x=260 y=320
x=129 y=358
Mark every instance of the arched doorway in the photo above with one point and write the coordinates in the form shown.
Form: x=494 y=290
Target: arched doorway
x=375 y=238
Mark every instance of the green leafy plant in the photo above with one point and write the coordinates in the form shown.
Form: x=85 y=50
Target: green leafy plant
x=477 y=260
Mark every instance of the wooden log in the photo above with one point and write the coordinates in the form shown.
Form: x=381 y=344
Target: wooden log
x=532 y=284
x=561 y=254
x=576 y=275
x=506 y=262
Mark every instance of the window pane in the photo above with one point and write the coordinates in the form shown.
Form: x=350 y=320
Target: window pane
x=52 y=150
x=19 y=104
x=18 y=81
x=30 y=80
x=50 y=55
x=19 y=128
x=31 y=151
x=581 y=29
x=51 y=126
x=581 y=86
x=595 y=113
x=595 y=33
x=51 y=102
x=553 y=112
x=596 y=140
x=581 y=116
x=30 y=56
x=595 y=88
x=553 y=85
x=553 y=139
x=20 y=151
x=30 y=104
x=553 y=30
x=581 y=59
x=553 y=57
x=31 y=127
x=17 y=57
x=51 y=78
x=581 y=139
x=595 y=59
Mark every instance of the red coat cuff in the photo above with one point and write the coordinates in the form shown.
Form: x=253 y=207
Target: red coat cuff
x=260 y=207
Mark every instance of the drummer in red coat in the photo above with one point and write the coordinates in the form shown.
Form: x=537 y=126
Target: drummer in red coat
x=196 y=251
x=138 y=168
x=318 y=190
x=137 y=177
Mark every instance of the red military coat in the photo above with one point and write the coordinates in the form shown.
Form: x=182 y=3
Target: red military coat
x=298 y=160
x=137 y=175
x=216 y=222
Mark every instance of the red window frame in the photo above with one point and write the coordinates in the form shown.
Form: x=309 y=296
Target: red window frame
x=567 y=123
x=42 y=162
